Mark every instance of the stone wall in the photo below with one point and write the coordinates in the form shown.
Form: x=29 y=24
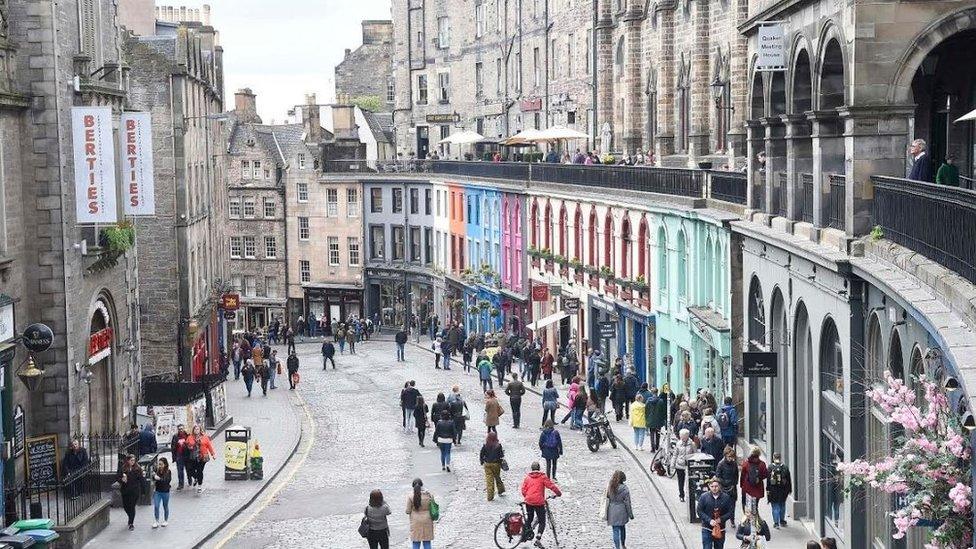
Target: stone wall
x=367 y=70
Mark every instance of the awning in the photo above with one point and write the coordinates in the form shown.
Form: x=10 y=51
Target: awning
x=543 y=322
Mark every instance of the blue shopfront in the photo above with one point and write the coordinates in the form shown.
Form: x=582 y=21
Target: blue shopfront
x=484 y=309
x=636 y=340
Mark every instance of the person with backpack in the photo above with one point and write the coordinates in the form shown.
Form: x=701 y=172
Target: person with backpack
x=551 y=444
x=515 y=390
x=779 y=485
x=753 y=476
x=728 y=422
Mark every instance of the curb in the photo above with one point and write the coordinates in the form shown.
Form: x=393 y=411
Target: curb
x=266 y=482
x=630 y=452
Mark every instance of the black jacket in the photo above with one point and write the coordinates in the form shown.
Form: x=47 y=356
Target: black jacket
x=444 y=429
x=714 y=448
x=437 y=408
x=420 y=416
x=745 y=530
x=492 y=455
x=328 y=349
x=401 y=337
x=708 y=504
x=728 y=474
x=515 y=390
x=132 y=485
x=75 y=460
x=409 y=397
x=293 y=363
x=779 y=484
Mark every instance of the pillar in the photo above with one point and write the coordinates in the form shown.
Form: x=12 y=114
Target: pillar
x=798 y=160
x=699 y=136
x=756 y=141
x=825 y=139
x=665 y=95
x=775 y=164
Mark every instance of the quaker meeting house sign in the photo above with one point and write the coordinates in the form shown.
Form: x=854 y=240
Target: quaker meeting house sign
x=38 y=338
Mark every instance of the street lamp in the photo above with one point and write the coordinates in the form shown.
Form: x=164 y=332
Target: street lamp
x=31 y=375
x=718 y=93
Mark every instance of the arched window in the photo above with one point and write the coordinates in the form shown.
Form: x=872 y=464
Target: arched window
x=608 y=240
x=756 y=332
x=594 y=258
x=642 y=249
x=548 y=226
x=534 y=224
x=682 y=252
x=662 y=260
x=625 y=246
x=518 y=218
x=578 y=231
x=709 y=279
x=563 y=231
x=719 y=295
x=831 y=360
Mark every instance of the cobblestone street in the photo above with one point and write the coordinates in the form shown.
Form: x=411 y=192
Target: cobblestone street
x=360 y=445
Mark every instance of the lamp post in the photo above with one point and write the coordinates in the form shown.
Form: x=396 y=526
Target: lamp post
x=30 y=374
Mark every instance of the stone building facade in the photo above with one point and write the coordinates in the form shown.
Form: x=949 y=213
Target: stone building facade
x=177 y=75
x=367 y=70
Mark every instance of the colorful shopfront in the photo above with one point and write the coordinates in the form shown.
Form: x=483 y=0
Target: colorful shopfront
x=636 y=333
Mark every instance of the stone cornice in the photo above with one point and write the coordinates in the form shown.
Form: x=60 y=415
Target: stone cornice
x=13 y=101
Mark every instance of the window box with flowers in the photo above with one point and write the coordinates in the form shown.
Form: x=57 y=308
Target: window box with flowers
x=113 y=242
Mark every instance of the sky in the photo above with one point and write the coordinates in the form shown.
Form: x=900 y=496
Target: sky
x=283 y=49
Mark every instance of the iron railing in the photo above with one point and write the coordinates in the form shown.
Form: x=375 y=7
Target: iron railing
x=933 y=220
x=104 y=450
x=728 y=186
x=778 y=206
x=61 y=502
x=806 y=197
x=834 y=211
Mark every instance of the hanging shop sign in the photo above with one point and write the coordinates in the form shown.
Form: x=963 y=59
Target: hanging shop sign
x=772 y=47
x=94 y=163
x=571 y=305
x=20 y=431
x=759 y=364
x=540 y=293
x=38 y=338
x=138 y=186
x=230 y=302
x=449 y=118
x=7 y=321
x=531 y=105
x=99 y=346
x=608 y=329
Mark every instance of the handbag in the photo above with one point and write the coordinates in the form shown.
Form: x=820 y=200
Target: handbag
x=435 y=510
x=364 y=525
x=504 y=464
x=279 y=368
x=717 y=529
x=604 y=507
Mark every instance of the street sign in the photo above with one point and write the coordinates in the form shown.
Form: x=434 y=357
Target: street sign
x=608 y=329
x=230 y=302
x=668 y=360
x=758 y=364
x=38 y=338
x=571 y=305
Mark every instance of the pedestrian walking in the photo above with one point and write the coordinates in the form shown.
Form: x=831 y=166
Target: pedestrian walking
x=445 y=437
x=639 y=423
x=484 y=372
x=419 y=416
x=438 y=347
x=709 y=420
x=727 y=472
x=547 y=364
x=656 y=410
x=728 y=422
x=515 y=390
x=341 y=338
x=130 y=481
x=290 y=339
x=570 y=401
x=493 y=411
x=177 y=446
x=75 y=458
x=421 y=523
x=632 y=385
x=753 y=476
x=712 y=445
x=534 y=495
x=619 y=509
x=714 y=508
x=498 y=366
x=248 y=372
x=200 y=451
x=618 y=396
x=264 y=375
x=550 y=401
x=274 y=367
x=292 y=371
x=683 y=448
x=751 y=529
x=491 y=458
x=351 y=337
x=408 y=401
x=467 y=350
x=459 y=413
x=237 y=359
x=328 y=354
x=551 y=445
x=162 y=477
x=579 y=405
x=779 y=485
x=401 y=341
x=378 y=529
x=688 y=424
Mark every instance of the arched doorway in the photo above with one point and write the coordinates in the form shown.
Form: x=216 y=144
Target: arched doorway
x=832 y=77
x=100 y=417
x=757 y=342
x=804 y=391
x=779 y=339
x=832 y=389
x=878 y=439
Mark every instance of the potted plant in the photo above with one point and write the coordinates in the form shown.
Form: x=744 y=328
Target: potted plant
x=474 y=309
x=575 y=264
x=117 y=239
x=607 y=273
x=494 y=312
x=640 y=284
x=546 y=254
x=532 y=252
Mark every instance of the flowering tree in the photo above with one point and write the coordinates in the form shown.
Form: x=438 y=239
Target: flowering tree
x=929 y=470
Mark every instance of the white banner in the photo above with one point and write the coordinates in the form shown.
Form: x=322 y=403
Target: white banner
x=95 y=200
x=138 y=189
x=772 y=49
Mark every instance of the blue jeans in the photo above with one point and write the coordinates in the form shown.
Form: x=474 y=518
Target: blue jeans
x=619 y=536
x=342 y=346
x=180 y=470
x=577 y=418
x=271 y=377
x=639 y=434
x=445 y=453
x=779 y=512
x=416 y=544
x=709 y=543
x=161 y=497
x=399 y=350
x=237 y=369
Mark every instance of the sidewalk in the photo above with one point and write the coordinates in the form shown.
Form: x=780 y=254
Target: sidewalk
x=193 y=516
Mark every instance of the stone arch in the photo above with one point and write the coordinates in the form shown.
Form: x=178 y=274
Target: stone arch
x=102 y=326
x=878 y=433
x=643 y=234
x=578 y=231
x=926 y=40
x=626 y=245
x=608 y=230
x=547 y=225
x=594 y=258
x=563 y=231
x=801 y=82
x=831 y=63
x=662 y=258
x=757 y=97
x=779 y=343
x=805 y=396
x=831 y=365
x=777 y=93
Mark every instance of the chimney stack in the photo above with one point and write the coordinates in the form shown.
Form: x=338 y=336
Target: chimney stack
x=246 y=106
x=344 y=119
x=312 y=120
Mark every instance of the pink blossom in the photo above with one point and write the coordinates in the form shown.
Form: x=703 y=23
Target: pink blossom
x=960 y=496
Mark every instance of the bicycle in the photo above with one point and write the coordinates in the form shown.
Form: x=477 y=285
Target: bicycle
x=513 y=529
x=667 y=454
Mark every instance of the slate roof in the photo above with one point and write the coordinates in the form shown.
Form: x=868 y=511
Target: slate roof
x=380 y=125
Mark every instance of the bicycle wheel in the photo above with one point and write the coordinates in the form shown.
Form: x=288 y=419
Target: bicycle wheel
x=552 y=525
x=503 y=539
x=612 y=439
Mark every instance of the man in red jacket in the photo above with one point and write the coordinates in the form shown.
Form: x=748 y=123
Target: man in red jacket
x=754 y=473
x=534 y=494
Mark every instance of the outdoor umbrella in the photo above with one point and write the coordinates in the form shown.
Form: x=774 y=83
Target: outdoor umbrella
x=524 y=137
x=561 y=133
x=465 y=137
x=965 y=117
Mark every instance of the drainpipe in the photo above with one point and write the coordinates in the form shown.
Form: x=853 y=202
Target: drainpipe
x=593 y=82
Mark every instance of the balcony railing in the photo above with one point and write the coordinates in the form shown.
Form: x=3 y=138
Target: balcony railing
x=779 y=194
x=806 y=197
x=834 y=211
x=726 y=186
x=932 y=220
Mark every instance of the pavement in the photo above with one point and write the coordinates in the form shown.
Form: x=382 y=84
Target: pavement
x=193 y=516
x=359 y=445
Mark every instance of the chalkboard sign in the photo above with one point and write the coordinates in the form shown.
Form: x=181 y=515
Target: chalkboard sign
x=20 y=431
x=43 y=467
x=700 y=470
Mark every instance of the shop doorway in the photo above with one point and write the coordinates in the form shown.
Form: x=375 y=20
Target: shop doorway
x=423 y=141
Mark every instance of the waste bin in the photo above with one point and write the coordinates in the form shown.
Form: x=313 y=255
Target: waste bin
x=236 y=460
x=697 y=472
